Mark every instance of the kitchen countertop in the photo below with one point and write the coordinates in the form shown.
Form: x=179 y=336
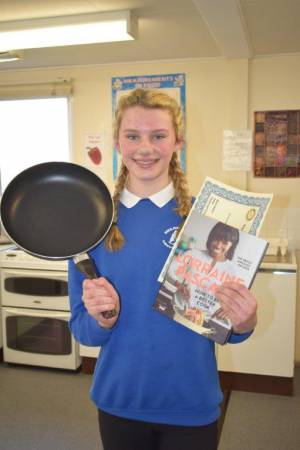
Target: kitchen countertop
x=286 y=262
x=279 y=262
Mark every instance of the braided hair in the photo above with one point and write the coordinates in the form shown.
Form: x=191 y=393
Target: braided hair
x=149 y=99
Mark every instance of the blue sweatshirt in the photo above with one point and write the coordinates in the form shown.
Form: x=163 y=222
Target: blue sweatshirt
x=150 y=368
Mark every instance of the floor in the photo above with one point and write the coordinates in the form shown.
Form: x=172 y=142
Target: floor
x=43 y=409
x=262 y=421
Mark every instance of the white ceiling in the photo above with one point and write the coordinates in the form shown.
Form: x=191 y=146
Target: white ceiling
x=169 y=29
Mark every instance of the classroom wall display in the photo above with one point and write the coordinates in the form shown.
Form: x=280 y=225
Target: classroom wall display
x=277 y=144
x=173 y=84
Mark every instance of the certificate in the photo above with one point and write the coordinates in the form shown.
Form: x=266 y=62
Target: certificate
x=241 y=209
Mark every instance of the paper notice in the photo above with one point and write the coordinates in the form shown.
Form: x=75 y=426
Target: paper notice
x=237 y=150
x=93 y=148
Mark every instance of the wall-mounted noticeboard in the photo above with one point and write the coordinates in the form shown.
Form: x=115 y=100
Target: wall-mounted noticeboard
x=277 y=144
x=172 y=83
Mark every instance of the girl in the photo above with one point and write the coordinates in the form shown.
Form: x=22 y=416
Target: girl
x=155 y=383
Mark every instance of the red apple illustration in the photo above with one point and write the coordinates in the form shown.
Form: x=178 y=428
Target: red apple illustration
x=95 y=155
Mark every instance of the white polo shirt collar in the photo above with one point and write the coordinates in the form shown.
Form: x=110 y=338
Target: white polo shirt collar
x=160 y=199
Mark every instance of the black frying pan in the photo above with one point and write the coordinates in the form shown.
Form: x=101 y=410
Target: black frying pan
x=58 y=210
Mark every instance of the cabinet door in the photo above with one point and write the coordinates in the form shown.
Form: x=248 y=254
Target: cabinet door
x=91 y=352
x=270 y=350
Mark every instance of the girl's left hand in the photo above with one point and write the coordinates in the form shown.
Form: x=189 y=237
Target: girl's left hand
x=238 y=305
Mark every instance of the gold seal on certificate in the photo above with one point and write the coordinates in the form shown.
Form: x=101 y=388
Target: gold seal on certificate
x=251 y=214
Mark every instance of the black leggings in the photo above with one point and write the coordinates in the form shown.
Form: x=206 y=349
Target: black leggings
x=125 y=434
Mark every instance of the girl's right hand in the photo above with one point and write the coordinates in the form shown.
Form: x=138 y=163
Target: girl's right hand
x=100 y=296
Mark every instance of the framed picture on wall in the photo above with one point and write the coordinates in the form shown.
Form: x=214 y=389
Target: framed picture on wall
x=173 y=84
x=277 y=144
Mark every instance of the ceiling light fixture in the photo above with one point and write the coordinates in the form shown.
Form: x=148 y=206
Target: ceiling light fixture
x=68 y=30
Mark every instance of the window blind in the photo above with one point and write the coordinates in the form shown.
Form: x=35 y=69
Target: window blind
x=60 y=88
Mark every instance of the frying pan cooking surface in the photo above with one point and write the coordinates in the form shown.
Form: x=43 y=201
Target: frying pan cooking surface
x=56 y=210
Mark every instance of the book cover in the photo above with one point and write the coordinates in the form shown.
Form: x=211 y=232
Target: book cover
x=206 y=253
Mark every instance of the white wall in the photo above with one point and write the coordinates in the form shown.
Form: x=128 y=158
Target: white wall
x=273 y=85
x=221 y=94
x=216 y=99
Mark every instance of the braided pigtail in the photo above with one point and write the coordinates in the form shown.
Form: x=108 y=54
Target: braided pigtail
x=183 y=198
x=115 y=240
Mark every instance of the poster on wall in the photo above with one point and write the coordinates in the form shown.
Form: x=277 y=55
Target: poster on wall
x=277 y=144
x=173 y=84
x=94 y=152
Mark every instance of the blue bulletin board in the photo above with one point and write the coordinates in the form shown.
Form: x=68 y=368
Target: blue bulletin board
x=173 y=84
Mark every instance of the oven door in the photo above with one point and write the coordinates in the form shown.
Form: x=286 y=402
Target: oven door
x=39 y=338
x=41 y=289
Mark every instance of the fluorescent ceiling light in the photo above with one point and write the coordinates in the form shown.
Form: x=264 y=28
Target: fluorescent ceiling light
x=67 y=30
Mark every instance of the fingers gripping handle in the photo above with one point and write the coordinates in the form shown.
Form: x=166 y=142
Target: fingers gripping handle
x=86 y=265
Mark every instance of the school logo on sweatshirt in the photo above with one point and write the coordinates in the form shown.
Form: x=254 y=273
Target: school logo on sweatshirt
x=170 y=235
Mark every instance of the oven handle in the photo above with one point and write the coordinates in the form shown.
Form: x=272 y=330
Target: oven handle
x=51 y=315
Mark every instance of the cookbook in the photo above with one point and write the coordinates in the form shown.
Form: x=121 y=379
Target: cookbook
x=209 y=251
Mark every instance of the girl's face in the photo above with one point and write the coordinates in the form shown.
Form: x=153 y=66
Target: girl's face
x=146 y=142
x=218 y=249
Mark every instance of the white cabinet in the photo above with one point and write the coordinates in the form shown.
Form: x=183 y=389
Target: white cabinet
x=270 y=350
x=89 y=352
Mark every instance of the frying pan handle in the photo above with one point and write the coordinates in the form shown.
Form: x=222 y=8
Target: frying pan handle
x=9 y=248
x=86 y=265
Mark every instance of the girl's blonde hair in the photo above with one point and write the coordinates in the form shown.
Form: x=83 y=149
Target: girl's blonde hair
x=149 y=99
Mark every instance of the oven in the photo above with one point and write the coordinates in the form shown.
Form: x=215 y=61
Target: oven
x=35 y=312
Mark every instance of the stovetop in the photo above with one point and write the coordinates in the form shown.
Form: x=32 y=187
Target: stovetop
x=19 y=259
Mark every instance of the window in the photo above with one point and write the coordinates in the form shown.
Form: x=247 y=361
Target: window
x=32 y=131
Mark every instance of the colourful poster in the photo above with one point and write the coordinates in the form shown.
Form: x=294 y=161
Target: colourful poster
x=277 y=144
x=173 y=84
